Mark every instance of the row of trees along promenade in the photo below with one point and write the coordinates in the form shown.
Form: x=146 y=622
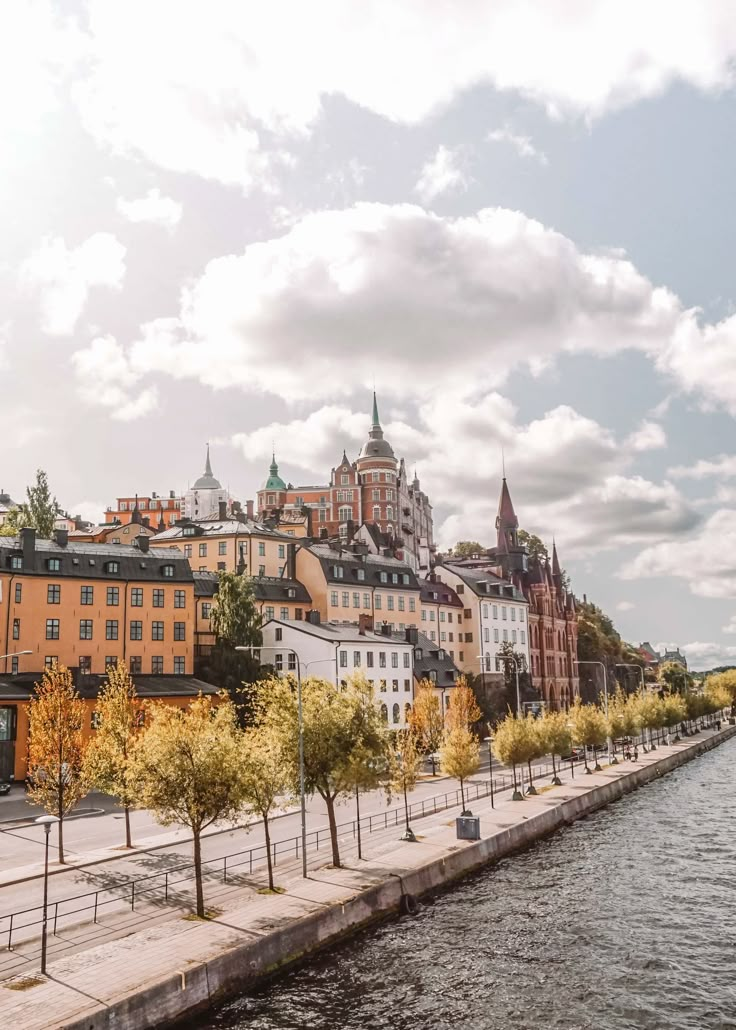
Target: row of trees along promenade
x=198 y=765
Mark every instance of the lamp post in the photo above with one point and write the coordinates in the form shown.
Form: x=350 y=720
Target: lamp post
x=489 y=740
x=14 y=654
x=300 y=720
x=605 y=706
x=47 y=821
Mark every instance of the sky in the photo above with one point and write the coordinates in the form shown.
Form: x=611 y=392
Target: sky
x=228 y=222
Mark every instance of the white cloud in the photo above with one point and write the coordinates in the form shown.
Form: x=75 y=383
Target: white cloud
x=703 y=654
x=706 y=561
x=106 y=379
x=311 y=443
x=625 y=606
x=649 y=436
x=90 y=511
x=523 y=145
x=723 y=466
x=443 y=173
x=154 y=207
x=63 y=277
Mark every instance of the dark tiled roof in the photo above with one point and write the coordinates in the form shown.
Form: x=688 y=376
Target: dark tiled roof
x=89 y=561
x=265 y=588
x=20 y=688
x=372 y=564
x=430 y=661
x=221 y=527
x=445 y=594
x=485 y=583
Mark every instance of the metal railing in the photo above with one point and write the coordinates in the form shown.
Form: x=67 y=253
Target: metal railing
x=229 y=867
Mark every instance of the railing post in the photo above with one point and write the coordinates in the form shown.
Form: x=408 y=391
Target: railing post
x=166 y=886
x=95 y=915
x=132 y=895
x=274 y=852
x=224 y=869
x=56 y=914
x=10 y=933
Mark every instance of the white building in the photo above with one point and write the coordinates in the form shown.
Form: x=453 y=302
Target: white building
x=494 y=612
x=335 y=651
x=202 y=499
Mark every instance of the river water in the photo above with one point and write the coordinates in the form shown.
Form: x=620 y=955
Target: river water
x=625 y=920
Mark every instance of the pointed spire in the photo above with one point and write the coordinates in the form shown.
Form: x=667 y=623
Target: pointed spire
x=207 y=466
x=376 y=422
x=556 y=570
x=506 y=514
x=136 y=513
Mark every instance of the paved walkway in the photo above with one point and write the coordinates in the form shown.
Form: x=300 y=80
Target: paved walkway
x=88 y=970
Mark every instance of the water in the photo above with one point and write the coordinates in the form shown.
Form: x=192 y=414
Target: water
x=625 y=920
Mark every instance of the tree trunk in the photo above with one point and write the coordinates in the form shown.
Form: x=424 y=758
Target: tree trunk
x=554 y=771
x=198 y=872
x=513 y=770
x=61 y=839
x=128 y=839
x=531 y=778
x=267 y=834
x=462 y=793
x=330 y=802
x=434 y=770
x=406 y=808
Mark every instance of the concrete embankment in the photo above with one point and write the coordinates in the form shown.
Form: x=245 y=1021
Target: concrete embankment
x=158 y=977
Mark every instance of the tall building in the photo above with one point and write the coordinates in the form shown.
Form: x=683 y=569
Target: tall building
x=202 y=499
x=373 y=490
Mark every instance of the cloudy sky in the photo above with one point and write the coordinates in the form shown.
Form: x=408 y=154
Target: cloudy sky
x=227 y=221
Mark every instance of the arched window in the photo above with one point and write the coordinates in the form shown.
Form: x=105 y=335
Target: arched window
x=384 y=713
x=407 y=711
x=390 y=513
x=396 y=714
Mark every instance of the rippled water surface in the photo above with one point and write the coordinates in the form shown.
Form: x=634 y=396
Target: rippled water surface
x=624 y=920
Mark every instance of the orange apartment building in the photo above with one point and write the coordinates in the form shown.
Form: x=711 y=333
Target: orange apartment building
x=227 y=544
x=159 y=510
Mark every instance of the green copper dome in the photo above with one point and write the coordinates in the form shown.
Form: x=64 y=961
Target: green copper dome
x=274 y=481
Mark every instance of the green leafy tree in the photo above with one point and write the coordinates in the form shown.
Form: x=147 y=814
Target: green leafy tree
x=650 y=710
x=337 y=723
x=187 y=768
x=56 y=746
x=588 y=727
x=675 y=677
x=511 y=745
x=554 y=731
x=236 y=622
x=108 y=758
x=39 y=511
x=536 y=549
x=265 y=781
x=467 y=548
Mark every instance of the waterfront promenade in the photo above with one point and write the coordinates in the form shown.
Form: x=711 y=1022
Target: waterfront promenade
x=174 y=966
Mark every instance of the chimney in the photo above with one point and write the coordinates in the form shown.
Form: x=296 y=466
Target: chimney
x=433 y=577
x=249 y=509
x=28 y=546
x=365 y=624
x=291 y=561
x=349 y=530
x=412 y=635
x=142 y=543
x=313 y=617
x=61 y=537
x=222 y=510
x=146 y=521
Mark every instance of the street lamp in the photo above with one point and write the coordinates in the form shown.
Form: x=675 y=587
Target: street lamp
x=300 y=720
x=47 y=821
x=611 y=760
x=14 y=654
x=489 y=740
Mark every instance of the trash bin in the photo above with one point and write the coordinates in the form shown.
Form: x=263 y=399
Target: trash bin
x=467 y=827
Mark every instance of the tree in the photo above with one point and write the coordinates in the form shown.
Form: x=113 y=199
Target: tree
x=236 y=622
x=675 y=710
x=39 y=511
x=265 y=781
x=426 y=720
x=463 y=710
x=650 y=710
x=509 y=660
x=535 y=547
x=460 y=755
x=537 y=746
x=337 y=722
x=406 y=760
x=511 y=745
x=675 y=677
x=725 y=681
x=56 y=746
x=108 y=758
x=467 y=548
x=554 y=731
x=588 y=728
x=188 y=768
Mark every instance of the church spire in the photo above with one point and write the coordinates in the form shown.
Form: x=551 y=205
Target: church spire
x=376 y=422
x=207 y=466
x=556 y=570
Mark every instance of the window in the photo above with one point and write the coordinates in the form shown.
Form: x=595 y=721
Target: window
x=158 y=598
x=402 y=603
x=261 y=570
x=390 y=602
x=222 y=547
x=53 y=565
x=180 y=599
x=282 y=551
x=513 y=635
x=333 y=598
x=384 y=713
x=424 y=614
x=505 y=635
x=87 y=595
x=269 y=611
x=442 y=617
x=407 y=660
x=369 y=659
x=157 y=631
x=53 y=594
x=345 y=599
x=284 y=616
x=503 y=611
x=366 y=600
x=523 y=636
x=187 y=550
x=360 y=574
x=18 y=592
x=85 y=665
x=521 y=614
x=356 y=600
x=16 y=629
x=486 y=635
x=136 y=664
x=495 y=611
x=343 y=659
x=407 y=685
x=412 y=604
x=50 y=661
x=396 y=713
x=180 y=631
x=110 y=662
x=206 y=608
x=136 y=597
x=431 y=614
x=16 y=561
x=279 y=634
x=394 y=659
x=395 y=685
x=112 y=567
x=203 y=550
x=378 y=602
x=136 y=630
x=513 y=614
x=113 y=595
x=495 y=636
x=356 y=659
x=52 y=629
x=157 y=665
x=382 y=659
x=111 y=629
x=261 y=550
x=345 y=514
x=85 y=629
x=179 y=665
x=291 y=658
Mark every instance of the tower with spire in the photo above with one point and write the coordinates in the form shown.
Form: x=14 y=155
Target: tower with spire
x=512 y=555
x=202 y=499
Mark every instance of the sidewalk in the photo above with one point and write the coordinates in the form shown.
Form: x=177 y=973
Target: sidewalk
x=89 y=972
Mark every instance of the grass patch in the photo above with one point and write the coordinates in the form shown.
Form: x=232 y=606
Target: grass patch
x=24 y=983
x=268 y=890
x=209 y=913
